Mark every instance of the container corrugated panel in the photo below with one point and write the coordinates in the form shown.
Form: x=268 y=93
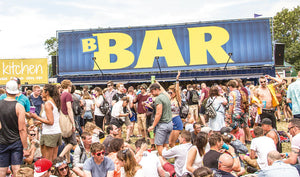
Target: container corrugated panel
x=249 y=42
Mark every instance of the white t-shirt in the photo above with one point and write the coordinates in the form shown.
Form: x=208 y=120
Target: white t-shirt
x=150 y=164
x=295 y=144
x=262 y=146
x=98 y=101
x=117 y=110
x=51 y=129
x=88 y=104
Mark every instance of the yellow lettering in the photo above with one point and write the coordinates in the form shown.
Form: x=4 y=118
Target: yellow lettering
x=199 y=47
x=88 y=45
x=169 y=49
x=124 y=57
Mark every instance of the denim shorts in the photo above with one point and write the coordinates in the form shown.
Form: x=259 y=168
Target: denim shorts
x=162 y=133
x=177 y=123
x=88 y=115
x=11 y=154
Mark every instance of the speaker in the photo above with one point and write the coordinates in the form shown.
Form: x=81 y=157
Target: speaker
x=54 y=61
x=279 y=54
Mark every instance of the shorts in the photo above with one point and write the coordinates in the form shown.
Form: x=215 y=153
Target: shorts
x=177 y=123
x=52 y=140
x=141 y=119
x=193 y=110
x=241 y=119
x=127 y=121
x=162 y=133
x=133 y=118
x=11 y=154
x=70 y=140
x=117 y=122
x=88 y=115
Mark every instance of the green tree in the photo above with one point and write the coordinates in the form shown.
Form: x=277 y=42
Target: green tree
x=51 y=46
x=287 y=31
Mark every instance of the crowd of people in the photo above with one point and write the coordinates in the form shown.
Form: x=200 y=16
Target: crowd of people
x=60 y=130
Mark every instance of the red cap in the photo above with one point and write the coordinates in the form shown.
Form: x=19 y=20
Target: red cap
x=41 y=166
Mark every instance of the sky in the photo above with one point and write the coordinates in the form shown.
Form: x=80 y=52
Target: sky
x=25 y=25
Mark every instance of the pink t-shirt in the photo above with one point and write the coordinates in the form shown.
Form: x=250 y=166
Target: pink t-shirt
x=64 y=98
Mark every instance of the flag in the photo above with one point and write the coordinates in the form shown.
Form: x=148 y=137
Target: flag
x=257 y=15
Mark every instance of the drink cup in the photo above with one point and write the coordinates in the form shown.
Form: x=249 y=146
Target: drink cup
x=264 y=103
x=32 y=109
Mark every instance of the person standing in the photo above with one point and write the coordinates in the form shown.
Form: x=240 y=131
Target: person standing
x=22 y=99
x=13 y=134
x=67 y=112
x=36 y=99
x=293 y=96
x=163 y=118
x=99 y=116
x=110 y=92
x=141 y=110
x=51 y=133
x=266 y=94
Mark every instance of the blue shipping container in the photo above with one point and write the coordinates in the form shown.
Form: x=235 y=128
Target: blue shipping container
x=172 y=47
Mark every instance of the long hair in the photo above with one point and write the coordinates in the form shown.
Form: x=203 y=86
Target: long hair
x=54 y=94
x=200 y=142
x=58 y=162
x=130 y=164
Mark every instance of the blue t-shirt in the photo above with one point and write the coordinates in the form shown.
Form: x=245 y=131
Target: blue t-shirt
x=37 y=102
x=293 y=93
x=22 y=99
x=99 y=170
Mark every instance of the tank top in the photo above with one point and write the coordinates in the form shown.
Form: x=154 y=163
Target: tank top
x=9 y=132
x=175 y=108
x=51 y=129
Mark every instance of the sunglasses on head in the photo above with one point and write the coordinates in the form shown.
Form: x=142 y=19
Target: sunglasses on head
x=65 y=168
x=100 y=153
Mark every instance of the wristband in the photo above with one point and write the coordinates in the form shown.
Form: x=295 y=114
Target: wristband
x=286 y=154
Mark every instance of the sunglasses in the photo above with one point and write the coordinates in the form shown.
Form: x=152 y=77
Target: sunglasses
x=170 y=93
x=65 y=168
x=32 y=134
x=100 y=153
x=290 y=128
x=108 y=85
x=262 y=81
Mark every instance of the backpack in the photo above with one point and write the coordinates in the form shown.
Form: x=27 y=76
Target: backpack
x=184 y=109
x=194 y=97
x=209 y=109
x=77 y=109
x=244 y=101
x=104 y=107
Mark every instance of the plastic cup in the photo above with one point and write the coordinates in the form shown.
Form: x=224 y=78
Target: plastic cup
x=264 y=103
x=151 y=133
x=152 y=79
x=32 y=109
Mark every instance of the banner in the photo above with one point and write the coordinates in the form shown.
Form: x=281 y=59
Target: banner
x=170 y=47
x=30 y=71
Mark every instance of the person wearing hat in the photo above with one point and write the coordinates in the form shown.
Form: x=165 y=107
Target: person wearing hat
x=13 y=136
x=42 y=168
x=270 y=132
x=22 y=99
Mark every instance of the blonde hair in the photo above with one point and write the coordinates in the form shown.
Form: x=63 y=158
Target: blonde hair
x=65 y=84
x=25 y=172
x=89 y=127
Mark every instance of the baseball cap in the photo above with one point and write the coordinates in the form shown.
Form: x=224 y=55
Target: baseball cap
x=225 y=130
x=41 y=166
x=12 y=87
x=154 y=86
x=266 y=121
